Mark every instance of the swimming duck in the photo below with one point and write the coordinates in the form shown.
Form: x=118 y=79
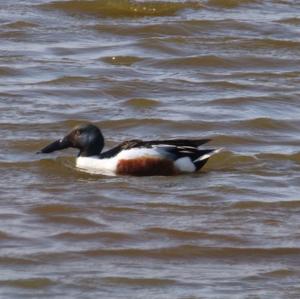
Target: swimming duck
x=133 y=157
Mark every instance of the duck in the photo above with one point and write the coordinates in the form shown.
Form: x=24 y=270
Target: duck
x=133 y=157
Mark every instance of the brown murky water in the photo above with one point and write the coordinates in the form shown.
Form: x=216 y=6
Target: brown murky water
x=226 y=70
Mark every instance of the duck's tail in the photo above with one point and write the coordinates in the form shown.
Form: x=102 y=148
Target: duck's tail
x=203 y=157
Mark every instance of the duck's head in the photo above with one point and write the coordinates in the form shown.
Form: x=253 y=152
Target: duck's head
x=87 y=138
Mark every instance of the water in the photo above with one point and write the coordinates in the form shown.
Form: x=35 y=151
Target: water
x=225 y=70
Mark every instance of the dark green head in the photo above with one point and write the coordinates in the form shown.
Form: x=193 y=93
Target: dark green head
x=87 y=138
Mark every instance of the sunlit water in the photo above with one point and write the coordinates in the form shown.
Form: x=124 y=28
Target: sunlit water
x=225 y=70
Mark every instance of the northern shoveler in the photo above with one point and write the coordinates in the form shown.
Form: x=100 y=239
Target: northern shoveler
x=133 y=157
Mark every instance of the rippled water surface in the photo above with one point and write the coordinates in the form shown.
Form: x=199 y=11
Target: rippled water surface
x=225 y=70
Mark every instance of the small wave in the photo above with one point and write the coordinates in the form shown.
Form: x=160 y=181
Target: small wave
x=54 y=209
x=192 y=252
x=179 y=208
x=16 y=261
x=182 y=234
x=119 y=209
x=279 y=157
x=176 y=34
x=182 y=252
x=21 y=25
x=29 y=283
x=194 y=62
x=231 y=62
x=246 y=205
x=245 y=101
x=229 y=160
x=266 y=123
x=5 y=236
x=122 y=8
x=73 y=221
x=62 y=126
x=271 y=44
x=25 y=145
x=281 y=273
x=177 y=233
x=142 y=103
x=146 y=282
x=160 y=122
x=122 y=60
x=16 y=164
x=65 y=80
x=112 y=236
x=230 y=3
x=229 y=140
x=7 y=71
x=134 y=122
x=16 y=35
x=59 y=213
x=291 y=21
x=221 y=84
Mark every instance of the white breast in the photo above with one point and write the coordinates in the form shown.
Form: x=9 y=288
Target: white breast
x=96 y=165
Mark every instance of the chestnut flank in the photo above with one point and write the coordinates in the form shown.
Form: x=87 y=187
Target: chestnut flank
x=146 y=166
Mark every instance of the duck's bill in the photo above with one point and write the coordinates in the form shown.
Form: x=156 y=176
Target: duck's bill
x=55 y=146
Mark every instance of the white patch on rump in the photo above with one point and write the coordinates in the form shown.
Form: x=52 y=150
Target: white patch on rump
x=185 y=164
